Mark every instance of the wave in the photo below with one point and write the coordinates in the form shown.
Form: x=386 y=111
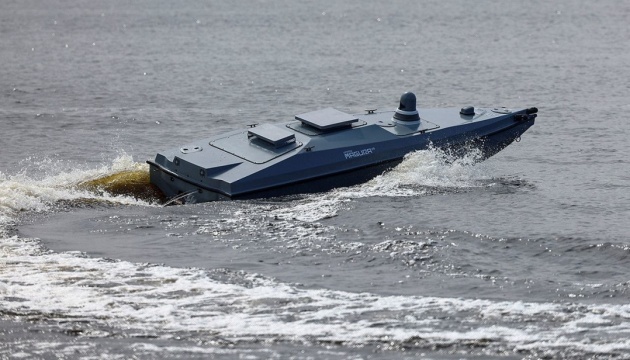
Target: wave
x=158 y=301
x=155 y=300
x=424 y=172
x=123 y=181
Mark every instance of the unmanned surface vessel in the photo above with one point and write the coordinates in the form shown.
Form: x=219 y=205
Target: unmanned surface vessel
x=327 y=148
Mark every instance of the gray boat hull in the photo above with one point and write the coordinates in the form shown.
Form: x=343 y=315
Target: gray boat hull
x=311 y=155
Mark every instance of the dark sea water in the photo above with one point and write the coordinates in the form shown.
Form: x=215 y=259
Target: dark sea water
x=526 y=255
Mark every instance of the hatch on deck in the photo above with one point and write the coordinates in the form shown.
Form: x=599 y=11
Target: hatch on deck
x=274 y=135
x=259 y=144
x=327 y=119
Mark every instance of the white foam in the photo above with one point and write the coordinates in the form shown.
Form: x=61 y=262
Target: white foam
x=238 y=353
x=166 y=300
x=431 y=168
x=419 y=171
x=21 y=192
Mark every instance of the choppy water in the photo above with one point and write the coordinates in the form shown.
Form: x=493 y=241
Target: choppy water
x=523 y=256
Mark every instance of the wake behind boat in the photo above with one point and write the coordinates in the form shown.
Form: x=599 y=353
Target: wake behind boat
x=327 y=148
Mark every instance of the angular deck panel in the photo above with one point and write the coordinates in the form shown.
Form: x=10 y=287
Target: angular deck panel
x=326 y=119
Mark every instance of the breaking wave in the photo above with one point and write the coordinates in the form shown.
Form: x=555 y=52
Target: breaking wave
x=421 y=173
x=124 y=181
